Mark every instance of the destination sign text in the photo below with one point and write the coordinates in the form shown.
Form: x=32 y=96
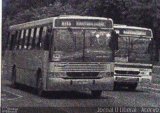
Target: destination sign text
x=136 y=32
x=83 y=23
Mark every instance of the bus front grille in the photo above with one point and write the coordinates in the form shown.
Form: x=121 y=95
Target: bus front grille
x=127 y=72
x=80 y=67
x=83 y=75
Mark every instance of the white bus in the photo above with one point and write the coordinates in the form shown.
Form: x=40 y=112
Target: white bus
x=134 y=57
x=62 y=53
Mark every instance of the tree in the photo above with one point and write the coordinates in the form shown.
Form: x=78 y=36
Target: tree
x=130 y=12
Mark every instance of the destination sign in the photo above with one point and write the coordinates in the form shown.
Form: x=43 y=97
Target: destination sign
x=83 y=23
x=137 y=32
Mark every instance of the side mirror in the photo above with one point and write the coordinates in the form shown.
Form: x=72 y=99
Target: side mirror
x=48 y=38
x=113 y=44
x=153 y=50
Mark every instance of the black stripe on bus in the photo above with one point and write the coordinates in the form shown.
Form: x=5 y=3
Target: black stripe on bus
x=133 y=66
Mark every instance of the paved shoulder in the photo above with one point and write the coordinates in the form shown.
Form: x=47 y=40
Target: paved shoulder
x=7 y=95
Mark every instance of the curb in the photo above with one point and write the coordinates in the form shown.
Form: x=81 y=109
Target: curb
x=153 y=87
x=157 y=85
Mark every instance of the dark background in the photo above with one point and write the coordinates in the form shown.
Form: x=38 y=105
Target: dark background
x=142 y=13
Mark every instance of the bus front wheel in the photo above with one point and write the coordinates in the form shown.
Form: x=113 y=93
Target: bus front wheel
x=116 y=86
x=132 y=87
x=39 y=84
x=13 y=77
x=96 y=93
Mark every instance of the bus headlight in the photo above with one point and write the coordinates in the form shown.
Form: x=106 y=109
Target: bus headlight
x=97 y=35
x=56 y=57
x=145 y=73
x=108 y=35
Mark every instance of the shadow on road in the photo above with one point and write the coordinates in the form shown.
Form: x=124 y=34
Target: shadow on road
x=59 y=94
x=125 y=89
x=69 y=95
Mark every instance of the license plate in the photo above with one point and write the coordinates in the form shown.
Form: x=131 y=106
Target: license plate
x=81 y=82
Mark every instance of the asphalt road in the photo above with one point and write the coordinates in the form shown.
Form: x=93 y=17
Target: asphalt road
x=25 y=97
x=77 y=102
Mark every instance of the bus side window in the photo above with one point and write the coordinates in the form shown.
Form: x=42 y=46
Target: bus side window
x=47 y=40
x=18 y=39
x=39 y=44
x=37 y=37
x=28 y=38
x=113 y=44
x=34 y=38
x=44 y=32
x=31 y=38
x=12 y=40
x=21 y=39
x=15 y=40
x=153 y=51
x=25 y=40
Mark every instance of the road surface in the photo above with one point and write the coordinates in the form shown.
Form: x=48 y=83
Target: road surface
x=65 y=101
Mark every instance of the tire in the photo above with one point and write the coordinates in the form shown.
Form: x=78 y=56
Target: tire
x=39 y=84
x=132 y=87
x=116 y=87
x=13 y=77
x=96 y=93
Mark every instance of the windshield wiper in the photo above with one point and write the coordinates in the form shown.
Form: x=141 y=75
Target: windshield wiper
x=73 y=37
x=84 y=40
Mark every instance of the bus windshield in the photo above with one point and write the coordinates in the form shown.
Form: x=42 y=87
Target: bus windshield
x=86 y=45
x=134 y=50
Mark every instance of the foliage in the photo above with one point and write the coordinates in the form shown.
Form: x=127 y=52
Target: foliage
x=145 y=13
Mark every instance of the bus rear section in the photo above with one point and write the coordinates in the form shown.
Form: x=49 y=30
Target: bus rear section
x=134 y=58
x=71 y=53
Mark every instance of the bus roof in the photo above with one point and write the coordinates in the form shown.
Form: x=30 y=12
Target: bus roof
x=51 y=20
x=81 y=17
x=130 y=27
x=124 y=30
x=119 y=25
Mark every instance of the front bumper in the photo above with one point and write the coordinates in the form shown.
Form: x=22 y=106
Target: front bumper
x=140 y=80
x=57 y=84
